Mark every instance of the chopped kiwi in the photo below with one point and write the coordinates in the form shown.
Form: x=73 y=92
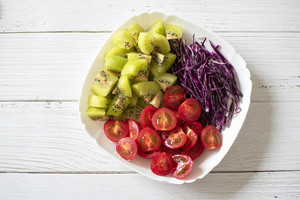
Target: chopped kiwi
x=96 y=113
x=165 y=80
x=146 y=89
x=136 y=70
x=133 y=112
x=157 y=99
x=115 y=64
x=142 y=103
x=146 y=42
x=136 y=55
x=124 y=39
x=115 y=90
x=161 y=43
x=134 y=99
x=135 y=30
x=158 y=58
x=97 y=101
x=124 y=86
x=104 y=83
x=118 y=105
x=173 y=31
x=159 y=70
x=117 y=51
x=157 y=27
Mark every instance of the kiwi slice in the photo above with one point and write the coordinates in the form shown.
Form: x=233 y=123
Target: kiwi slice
x=136 y=70
x=105 y=82
x=142 y=103
x=118 y=105
x=173 y=31
x=115 y=90
x=135 y=30
x=117 y=51
x=97 y=101
x=159 y=58
x=96 y=113
x=157 y=27
x=159 y=70
x=134 y=99
x=161 y=43
x=124 y=39
x=165 y=80
x=136 y=55
x=115 y=64
x=157 y=100
x=146 y=89
x=146 y=42
x=133 y=112
x=124 y=86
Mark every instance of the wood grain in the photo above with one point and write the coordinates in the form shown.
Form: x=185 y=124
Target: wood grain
x=281 y=185
x=106 y=15
x=48 y=137
x=53 y=66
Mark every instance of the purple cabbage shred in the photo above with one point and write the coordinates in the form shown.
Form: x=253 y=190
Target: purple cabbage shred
x=209 y=78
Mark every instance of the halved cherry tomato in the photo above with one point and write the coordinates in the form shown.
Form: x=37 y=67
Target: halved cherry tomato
x=148 y=140
x=174 y=96
x=149 y=154
x=169 y=151
x=195 y=151
x=183 y=165
x=189 y=110
x=127 y=148
x=179 y=121
x=164 y=119
x=192 y=137
x=175 y=139
x=196 y=126
x=115 y=130
x=211 y=137
x=134 y=129
x=162 y=164
x=146 y=116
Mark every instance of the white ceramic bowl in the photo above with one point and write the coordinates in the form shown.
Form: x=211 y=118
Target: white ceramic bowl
x=210 y=158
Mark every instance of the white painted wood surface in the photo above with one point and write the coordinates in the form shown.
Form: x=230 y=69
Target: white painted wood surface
x=46 y=47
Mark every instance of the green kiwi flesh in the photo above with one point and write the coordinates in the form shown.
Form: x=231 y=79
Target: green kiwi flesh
x=159 y=70
x=135 y=30
x=118 y=105
x=146 y=89
x=134 y=99
x=157 y=100
x=124 y=86
x=173 y=31
x=137 y=55
x=136 y=70
x=105 y=82
x=158 y=58
x=146 y=42
x=96 y=113
x=133 y=112
x=161 y=43
x=97 y=101
x=115 y=64
x=165 y=80
x=157 y=27
x=117 y=51
x=124 y=39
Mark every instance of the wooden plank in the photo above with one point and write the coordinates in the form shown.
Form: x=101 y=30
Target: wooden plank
x=53 y=66
x=48 y=137
x=281 y=185
x=106 y=15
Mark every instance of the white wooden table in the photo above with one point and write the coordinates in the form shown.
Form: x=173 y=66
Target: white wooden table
x=46 y=47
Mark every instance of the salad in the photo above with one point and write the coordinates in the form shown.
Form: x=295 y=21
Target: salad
x=163 y=99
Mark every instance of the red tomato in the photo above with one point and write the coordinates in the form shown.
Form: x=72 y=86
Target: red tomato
x=115 y=130
x=183 y=165
x=162 y=164
x=169 y=151
x=149 y=155
x=174 y=96
x=148 y=140
x=134 y=129
x=146 y=116
x=179 y=121
x=189 y=110
x=195 y=151
x=211 y=137
x=196 y=126
x=192 y=137
x=164 y=119
x=175 y=138
x=127 y=148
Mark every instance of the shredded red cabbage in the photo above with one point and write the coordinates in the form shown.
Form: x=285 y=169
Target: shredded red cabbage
x=209 y=78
